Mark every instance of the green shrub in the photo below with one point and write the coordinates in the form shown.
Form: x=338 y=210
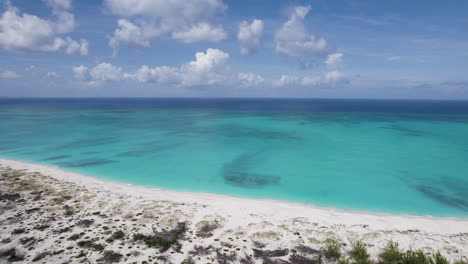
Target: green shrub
x=332 y=250
x=359 y=253
x=416 y=257
x=461 y=261
x=391 y=254
x=437 y=258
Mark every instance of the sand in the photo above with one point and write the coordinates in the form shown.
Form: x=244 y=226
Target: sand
x=50 y=205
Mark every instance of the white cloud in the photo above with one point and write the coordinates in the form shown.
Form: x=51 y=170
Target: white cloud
x=51 y=75
x=329 y=79
x=75 y=47
x=293 y=40
x=311 y=80
x=30 y=33
x=185 y=21
x=250 y=79
x=81 y=72
x=335 y=77
x=105 y=72
x=129 y=33
x=208 y=68
x=394 y=58
x=200 y=32
x=59 y=4
x=30 y=68
x=249 y=36
x=7 y=74
x=334 y=59
x=286 y=80
x=160 y=75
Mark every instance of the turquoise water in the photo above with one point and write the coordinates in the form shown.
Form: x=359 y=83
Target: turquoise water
x=385 y=156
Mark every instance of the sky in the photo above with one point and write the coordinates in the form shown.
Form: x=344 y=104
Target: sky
x=234 y=48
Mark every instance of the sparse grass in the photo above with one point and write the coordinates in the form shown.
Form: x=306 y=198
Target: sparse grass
x=437 y=258
x=391 y=254
x=359 y=253
x=164 y=239
x=110 y=256
x=332 y=249
x=416 y=257
x=461 y=261
x=90 y=244
x=41 y=256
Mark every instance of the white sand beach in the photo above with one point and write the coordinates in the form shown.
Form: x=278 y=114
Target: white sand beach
x=227 y=228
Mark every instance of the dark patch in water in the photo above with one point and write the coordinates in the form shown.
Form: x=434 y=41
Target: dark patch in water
x=148 y=150
x=250 y=180
x=240 y=131
x=438 y=195
x=453 y=193
x=236 y=173
x=85 y=163
x=89 y=152
x=405 y=131
x=88 y=142
x=57 y=157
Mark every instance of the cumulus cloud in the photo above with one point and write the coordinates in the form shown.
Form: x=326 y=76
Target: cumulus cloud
x=249 y=79
x=334 y=59
x=335 y=77
x=199 y=32
x=51 y=75
x=81 y=72
x=394 y=58
x=185 y=21
x=287 y=80
x=207 y=69
x=311 y=80
x=292 y=39
x=30 y=33
x=250 y=36
x=129 y=33
x=7 y=74
x=329 y=79
x=59 y=4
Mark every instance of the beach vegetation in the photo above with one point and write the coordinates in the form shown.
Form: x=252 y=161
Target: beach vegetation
x=461 y=261
x=90 y=244
x=11 y=255
x=416 y=257
x=40 y=256
x=391 y=254
x=74 y=237
x=344 y=260
x=332 y=249
x=206 y=228
x=18 y=231
x=359 y=253
x=201 y=251
x=299 y=259
x=437 y=258
x=110 y=256
x=164 y=239
x=116 y=235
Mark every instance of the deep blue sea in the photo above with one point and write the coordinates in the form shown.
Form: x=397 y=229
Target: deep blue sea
x=405 y=157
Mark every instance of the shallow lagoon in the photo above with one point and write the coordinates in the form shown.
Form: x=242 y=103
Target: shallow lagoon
x=405 y=157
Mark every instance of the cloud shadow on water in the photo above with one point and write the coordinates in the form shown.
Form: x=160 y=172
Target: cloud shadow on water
x=237 y=173
x=448 y=191
x=85 y=163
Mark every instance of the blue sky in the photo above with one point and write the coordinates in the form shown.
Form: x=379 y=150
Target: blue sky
x=220 y=48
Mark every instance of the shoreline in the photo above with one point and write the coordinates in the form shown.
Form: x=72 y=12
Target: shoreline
x=341 y=216
x=64 y=217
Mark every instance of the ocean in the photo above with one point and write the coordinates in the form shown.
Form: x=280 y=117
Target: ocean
x=386 y=156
